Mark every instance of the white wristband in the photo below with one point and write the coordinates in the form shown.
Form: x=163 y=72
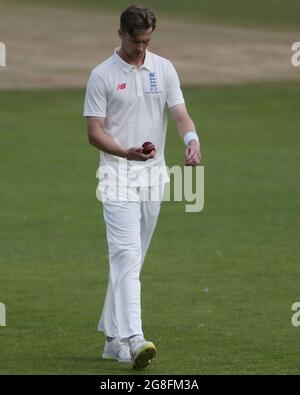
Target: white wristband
x=190 y=136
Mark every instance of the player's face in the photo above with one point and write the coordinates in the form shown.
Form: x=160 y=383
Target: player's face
x=135 y=46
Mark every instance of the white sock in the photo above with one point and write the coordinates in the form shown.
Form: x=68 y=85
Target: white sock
x=136 y=337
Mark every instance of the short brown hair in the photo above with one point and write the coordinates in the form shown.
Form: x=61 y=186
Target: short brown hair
x=137 y=18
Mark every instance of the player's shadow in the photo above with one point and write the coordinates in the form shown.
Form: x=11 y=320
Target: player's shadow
x=107 y=367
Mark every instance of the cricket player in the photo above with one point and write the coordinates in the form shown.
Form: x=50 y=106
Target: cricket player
x=126 y=105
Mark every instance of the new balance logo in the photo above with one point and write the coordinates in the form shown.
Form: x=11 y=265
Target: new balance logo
x=122 y=86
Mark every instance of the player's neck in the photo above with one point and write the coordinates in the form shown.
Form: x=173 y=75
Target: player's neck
x=130 y=60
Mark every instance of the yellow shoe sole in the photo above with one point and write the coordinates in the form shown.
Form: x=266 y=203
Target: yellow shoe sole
x=143 y=358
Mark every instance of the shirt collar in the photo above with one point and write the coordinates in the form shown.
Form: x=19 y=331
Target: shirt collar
x=128 y=67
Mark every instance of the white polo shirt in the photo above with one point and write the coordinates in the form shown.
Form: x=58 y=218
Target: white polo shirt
x=134 y=102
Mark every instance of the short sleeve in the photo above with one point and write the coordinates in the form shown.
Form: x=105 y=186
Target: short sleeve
x=95 y=98
x=174 y=93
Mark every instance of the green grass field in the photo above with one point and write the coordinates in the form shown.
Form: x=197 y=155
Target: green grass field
x=217 y=285
x=265 y=14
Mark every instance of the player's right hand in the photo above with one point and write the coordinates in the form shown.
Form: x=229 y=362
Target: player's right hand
x=136 y=153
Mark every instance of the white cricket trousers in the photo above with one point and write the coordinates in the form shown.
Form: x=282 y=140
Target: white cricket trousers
x=129 y=228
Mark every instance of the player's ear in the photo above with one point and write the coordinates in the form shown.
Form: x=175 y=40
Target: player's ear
x=120 y=33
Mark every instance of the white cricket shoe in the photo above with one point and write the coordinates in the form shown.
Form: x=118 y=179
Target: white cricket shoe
x=117 y=349
x=142 y=351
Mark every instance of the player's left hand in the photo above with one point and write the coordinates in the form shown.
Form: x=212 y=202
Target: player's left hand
x=192 y=154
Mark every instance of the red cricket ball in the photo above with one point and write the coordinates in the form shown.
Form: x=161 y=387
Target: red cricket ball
x=148 y=147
